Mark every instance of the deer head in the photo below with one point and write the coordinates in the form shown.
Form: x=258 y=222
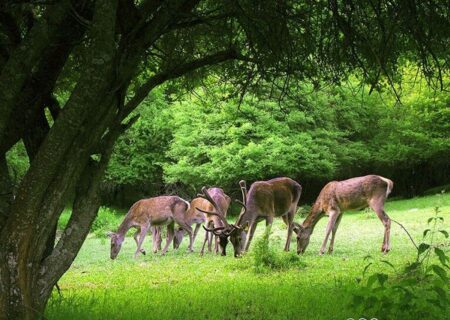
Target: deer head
x=116 y=243
x=226 y=232
x=303 y=236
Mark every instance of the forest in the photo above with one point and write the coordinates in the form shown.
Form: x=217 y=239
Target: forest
x=107 y=102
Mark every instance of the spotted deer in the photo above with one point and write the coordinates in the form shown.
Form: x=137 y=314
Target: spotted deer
x=146 y=213
x=339 y=196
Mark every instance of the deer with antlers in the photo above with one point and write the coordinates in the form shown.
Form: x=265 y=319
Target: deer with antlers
x=338 y=196
x=146 y=213
x=264 y=201
x=214 y=203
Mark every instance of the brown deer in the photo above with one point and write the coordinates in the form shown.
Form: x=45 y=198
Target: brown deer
x=264 y=201
x=215 y=206
x=338 y=196
x=145 y=213
x=213 y=200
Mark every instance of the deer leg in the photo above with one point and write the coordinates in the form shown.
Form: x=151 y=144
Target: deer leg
x=178 y=238
x=333 y=234
x=159 y=237
x=188 y=229
x=135 y=237
x=210 y=238
x=251 y=232
x=169 y=239
x=143 y=232
x=216 y=244
x=204 y=242
x=378 y=207
x=333 y=214
x=289 y=220
x=197 y=228
x=156 y=239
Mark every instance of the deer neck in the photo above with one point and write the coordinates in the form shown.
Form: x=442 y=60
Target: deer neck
x=124 y=227
x=313 y=217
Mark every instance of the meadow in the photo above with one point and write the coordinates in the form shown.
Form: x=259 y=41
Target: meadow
x=182 y=285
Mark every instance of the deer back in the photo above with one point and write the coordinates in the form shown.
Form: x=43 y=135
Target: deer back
x=274 y=197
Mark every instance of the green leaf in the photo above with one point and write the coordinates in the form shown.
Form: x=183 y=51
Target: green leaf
x=371 y=280
x=440 y=292
x=440 y=272
x=366 y=268
x=425 y=232
x=442 y=257
x=358 y=300
x=423 y=247
x=382 y=278
x=445 y=233
x=389 y=264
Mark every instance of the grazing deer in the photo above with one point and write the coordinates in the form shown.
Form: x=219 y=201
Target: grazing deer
x=264 y=201
x=338 y=196
x=213 y=200
x=158 y=211
x=215 y=205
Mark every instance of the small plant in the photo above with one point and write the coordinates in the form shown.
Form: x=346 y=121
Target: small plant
x=419 y=290
x=267 y=259
x=106 y=220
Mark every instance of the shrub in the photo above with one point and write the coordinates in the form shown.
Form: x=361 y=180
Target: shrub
x=107 y=219
x=267 y=259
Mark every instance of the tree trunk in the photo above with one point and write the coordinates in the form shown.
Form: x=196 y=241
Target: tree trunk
x=61 y=162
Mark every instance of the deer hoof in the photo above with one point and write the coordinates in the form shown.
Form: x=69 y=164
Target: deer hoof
x=385 y=250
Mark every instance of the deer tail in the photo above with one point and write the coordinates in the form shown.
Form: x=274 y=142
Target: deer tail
x=187 y=204
x=390 y=185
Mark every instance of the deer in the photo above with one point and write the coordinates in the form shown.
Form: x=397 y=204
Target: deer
x=215 y=205
x=213 y=200
x=265 y=200
x=339 y=196
x=152 y=212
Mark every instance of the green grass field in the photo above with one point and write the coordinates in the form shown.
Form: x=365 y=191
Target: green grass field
x=184 y=285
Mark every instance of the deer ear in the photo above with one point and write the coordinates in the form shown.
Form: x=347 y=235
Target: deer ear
x=297 y=228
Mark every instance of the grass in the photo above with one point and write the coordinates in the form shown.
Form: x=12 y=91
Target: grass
x=185 y=285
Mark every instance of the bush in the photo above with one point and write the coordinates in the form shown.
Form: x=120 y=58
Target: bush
x=267 y=259
x=107 y=219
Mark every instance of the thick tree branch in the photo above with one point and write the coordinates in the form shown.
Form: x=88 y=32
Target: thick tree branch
x=25 y=57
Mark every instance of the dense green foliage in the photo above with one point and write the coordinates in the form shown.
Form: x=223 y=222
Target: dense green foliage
x=265 y=283
x=212 y=137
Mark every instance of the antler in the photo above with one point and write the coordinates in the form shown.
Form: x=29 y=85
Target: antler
x=218 y=212
x=214 y=230
x=243 y=203
x=244 y=191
